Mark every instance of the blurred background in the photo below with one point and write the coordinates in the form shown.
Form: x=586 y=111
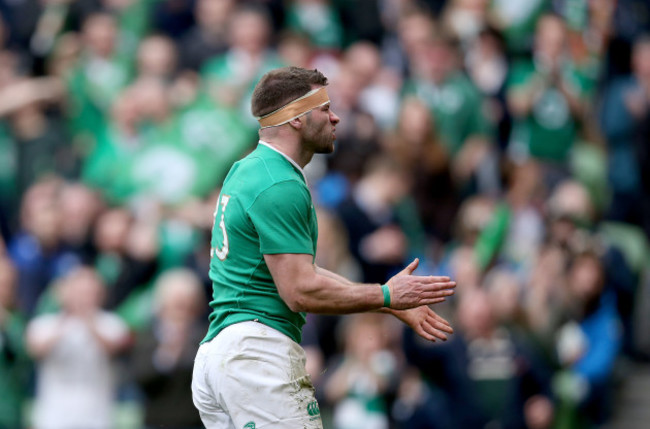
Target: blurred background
x=506 y=143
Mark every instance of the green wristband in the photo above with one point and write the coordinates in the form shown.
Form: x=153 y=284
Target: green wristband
x=386 y=291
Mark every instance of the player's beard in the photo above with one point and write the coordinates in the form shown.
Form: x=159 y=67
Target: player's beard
x=318 y=137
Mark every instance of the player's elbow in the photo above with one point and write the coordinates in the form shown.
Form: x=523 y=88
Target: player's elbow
x=290 y=297
x=296 y=302
x=297 y=305
x=297 y=299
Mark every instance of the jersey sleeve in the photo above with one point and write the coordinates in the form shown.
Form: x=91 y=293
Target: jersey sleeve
x=282 y=217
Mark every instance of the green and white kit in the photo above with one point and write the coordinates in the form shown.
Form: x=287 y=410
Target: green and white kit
x=265 y=207
x=249 y=371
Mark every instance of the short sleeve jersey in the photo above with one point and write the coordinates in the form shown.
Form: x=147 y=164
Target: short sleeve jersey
x=265 y=207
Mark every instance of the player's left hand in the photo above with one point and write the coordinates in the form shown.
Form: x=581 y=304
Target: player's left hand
x=425 y=322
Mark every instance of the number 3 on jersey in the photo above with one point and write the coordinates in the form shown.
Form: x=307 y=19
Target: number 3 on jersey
x=223 y=252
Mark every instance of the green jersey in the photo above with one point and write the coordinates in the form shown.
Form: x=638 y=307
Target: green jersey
x=264 y=207
x=456 y=106
x=550 y=129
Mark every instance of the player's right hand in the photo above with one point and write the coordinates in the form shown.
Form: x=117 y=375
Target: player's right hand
x=409 y=291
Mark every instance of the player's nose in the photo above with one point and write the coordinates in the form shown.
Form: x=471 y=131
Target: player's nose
x=334 y=119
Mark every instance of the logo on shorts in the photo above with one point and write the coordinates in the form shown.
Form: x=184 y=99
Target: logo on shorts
x=249 y=425
x=312 y=409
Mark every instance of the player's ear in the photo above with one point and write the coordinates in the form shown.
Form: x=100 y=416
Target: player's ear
x=296 y=123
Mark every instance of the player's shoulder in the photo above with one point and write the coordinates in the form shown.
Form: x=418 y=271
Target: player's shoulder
x=261 y=176
x=267 y=167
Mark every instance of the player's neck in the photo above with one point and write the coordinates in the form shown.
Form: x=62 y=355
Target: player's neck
x=290 y=147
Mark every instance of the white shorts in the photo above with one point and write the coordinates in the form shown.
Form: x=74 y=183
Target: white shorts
x=251 y=376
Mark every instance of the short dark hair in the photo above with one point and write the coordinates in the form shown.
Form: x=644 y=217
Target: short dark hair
x=280 y=86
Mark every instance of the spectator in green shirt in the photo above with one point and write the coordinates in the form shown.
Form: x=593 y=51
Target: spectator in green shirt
x=546 y=96
x=456 y=106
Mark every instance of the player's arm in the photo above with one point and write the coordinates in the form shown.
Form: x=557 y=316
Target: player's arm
x=286 y=242
x=423 y=320
x=304 y=287
x=333 y=275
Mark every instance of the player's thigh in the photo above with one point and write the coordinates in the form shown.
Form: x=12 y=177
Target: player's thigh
x=266 y=385
x=204 y=397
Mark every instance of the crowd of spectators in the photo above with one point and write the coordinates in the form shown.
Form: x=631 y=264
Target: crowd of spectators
x=505 y=143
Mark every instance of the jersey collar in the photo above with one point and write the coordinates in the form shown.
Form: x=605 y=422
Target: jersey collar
x=294 y=163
